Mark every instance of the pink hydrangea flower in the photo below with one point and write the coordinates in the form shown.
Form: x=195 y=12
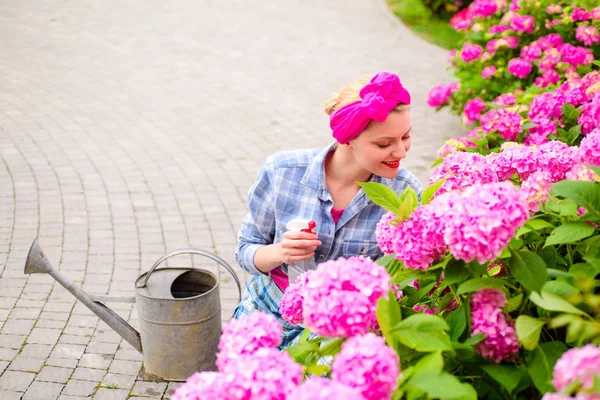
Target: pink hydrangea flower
x=575 y=56
x=506 y=100
x=488 y=72
x=439 y=95
x=588 y=34
x=501 y=340
x=580 y=172
x=550 y=41
x=483 y=8
x=461 y=170
x=205 y=386
x=550 y=59
x=419 y=239
x=470 y=52
x=519 y=159
x=557 y=158
x=590 y=116
x=246 y=335
x=522 y=23
x=473 y=109
x=554 y=9
x=385 y=232
x=511 y=41
x=539 y=133
x=317 y=388
x=595 y=14
x=507 y=123
x=341 y=296
x=537 y=189
x=589 y=149
x=580 y=14
x=481 y=224
x=546 y=105
x=366 y=364
x=531 y=53
x=292 y=303
x=462 y=20
x=397 y=292
x=577 y=365
x=495 y=29
x=548 y=77
x=519 y=67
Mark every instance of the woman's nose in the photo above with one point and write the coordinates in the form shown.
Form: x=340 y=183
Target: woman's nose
x=399 y=151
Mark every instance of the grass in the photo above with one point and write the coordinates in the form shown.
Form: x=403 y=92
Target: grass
x=420 y=19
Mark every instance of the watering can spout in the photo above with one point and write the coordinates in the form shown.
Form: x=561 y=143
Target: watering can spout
x=37 y=263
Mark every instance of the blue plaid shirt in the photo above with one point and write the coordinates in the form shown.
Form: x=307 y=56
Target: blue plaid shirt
x=292 y=185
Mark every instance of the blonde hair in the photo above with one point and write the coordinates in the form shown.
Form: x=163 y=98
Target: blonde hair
x=350 y=94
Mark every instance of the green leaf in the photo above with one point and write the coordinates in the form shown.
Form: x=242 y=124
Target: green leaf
x=551 y=302
x=542 y=363
x=529 y=269
x=388 y=315
x=594 y=168
x=433 y=362
x=569 y=233
x=457 y=320
x=381 y=195
x=560 y=288
x=568 y=208
x=423 y=341
x=513 y=303
x=567 y=109
x=508 y=376
x=473 y=285
x=423 y=322
x=533 y=225
x=385 y=260
x=455 y=272
x=443 y=386
x=430 y=190
x=528 y=331
x=549 y=256
x=585 y=194
x=408 y=203
x=473 y=340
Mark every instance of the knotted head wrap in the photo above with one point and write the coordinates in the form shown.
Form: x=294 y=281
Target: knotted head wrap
x=380 y=96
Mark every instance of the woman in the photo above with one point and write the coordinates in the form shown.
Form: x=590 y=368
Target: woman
x=370 y=121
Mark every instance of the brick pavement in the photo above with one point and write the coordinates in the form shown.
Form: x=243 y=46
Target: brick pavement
x=129 y=129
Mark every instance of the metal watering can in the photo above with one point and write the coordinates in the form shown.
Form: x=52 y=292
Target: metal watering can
x=179 y=311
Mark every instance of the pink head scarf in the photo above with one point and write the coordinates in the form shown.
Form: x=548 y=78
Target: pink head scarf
x=379 y=97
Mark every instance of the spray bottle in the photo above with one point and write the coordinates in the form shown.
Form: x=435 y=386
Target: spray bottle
x=299 y=267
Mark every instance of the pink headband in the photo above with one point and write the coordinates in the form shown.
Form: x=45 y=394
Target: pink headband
x=379 y=97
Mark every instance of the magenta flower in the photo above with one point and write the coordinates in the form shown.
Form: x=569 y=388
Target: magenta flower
x=588 y=34
x=548 y=77
x=590 y=117
x=549 y=60
x=385 y=232
x=506 y=100
x=507 y=123
x=209 y=386
x=546 y=105
x=483 y=8
x=341 y=296
x=575 y=56
x=595 y=14
x=419 y=239
x=292 y=303
x=539 y=133
x=531 y=53
x=485 y=219
x=470 y=52
x=518 y=159
x=495 y=29
x=488 y=72
x=554 y=9
x=522 y=23
x=366 y=364
x=580 y=172
x=461 y=170
x=439 y=95
x=473 y=109
x=580 y=14
x=462 y=20
x=246 y=335
x=317 y=388
x=589 y=149
x=557 y=158
x=510 y=41
x=537 y=189
x=519 y=67
x=550 y=41
x=580 y=365
x=501 y=340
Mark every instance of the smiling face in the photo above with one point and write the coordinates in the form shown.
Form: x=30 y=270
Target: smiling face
x=382 y=145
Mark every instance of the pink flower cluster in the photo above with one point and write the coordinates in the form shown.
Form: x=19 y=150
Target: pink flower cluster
x=519 y=67
x=473 y=110
x=580 y=172
x=522 y=23
x=366 y=364
x=590 y=117
x=461 y=170
x=481 y=224
x=588 y=34
x=501 y=340
x=518 y=159
x=292 y=303
x=317 y=388
x=488 y=72
x=537 y=188
x=340 y=297
x=258 y=371
x=578 y=365
x=384 y=232
x=470 y=52
x=439 y=95
x=589 y=149
x=507 y=123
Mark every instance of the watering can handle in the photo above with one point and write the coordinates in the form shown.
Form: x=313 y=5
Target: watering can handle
x=212 y=256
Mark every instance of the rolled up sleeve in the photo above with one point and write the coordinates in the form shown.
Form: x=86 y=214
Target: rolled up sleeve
x=258 y=227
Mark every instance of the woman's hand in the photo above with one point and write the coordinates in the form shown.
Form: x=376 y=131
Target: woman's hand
x=298 y=246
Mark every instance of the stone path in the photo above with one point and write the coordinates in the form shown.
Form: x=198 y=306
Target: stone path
x=130 y=129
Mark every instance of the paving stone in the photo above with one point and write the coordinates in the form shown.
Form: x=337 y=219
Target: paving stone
x=7 y=354
x=172 y=387
x=67 y=397
x=62 y=362
x=129 y=355
x=46 y=323
x=16 y=380
x=62 y=350
x=3 y=366
x=54 y=374
x=125 y=367
x=26 y=364
x=101 y=361
x=149 y=389
x=43 y=336
x=111 y=394
x=25 y=313
x=43 y=391
x=12 y=341
x=119 y=381
x=36 y=351
x=18 y=326
x=102 y=348
x=73 y=339
x=10 y=395
x=80 y=388
x=89 y=374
